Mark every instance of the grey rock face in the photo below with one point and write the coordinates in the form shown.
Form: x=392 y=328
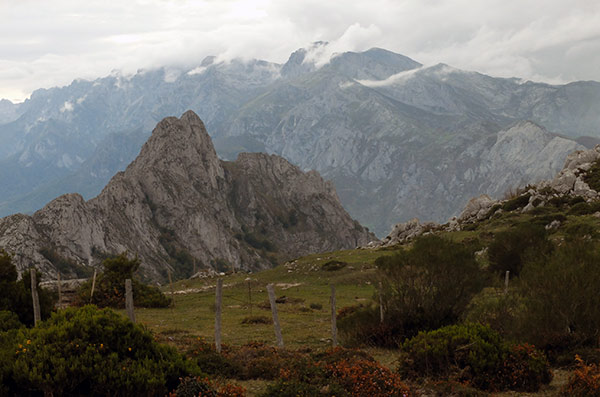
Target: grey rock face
x=178 y=197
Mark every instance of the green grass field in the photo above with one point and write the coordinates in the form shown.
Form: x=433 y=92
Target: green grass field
x=305 y=316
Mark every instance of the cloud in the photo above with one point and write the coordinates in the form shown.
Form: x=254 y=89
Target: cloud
x=45 y=44
x=66 y=107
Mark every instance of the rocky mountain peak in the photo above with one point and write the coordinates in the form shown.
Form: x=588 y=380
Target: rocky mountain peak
x=177 y=204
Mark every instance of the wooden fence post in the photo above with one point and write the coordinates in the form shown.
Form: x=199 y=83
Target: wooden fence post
x=506 y=278
x=171 y=287
x=129 y=300
x=218 y=306
x=35 y=298
x=93 y=286
x=275 y=316
x=380 y=303
x=333 y=318
x=59 y=292
x=249 y=294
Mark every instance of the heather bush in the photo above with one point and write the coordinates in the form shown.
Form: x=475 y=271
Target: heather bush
x=92 y=352
x=338 y=372
x=474 y=354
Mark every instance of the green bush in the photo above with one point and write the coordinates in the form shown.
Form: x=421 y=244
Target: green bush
x=15 y=295
x=502 y=312
x=360 y=325
x=109 y=290
x=477 y=354
x=517 y=202
x=9 y=320
x=333 y=265
x=423 y=288
x=560 y=291
x=510 y=248
x=92 y=352
x=592 y=177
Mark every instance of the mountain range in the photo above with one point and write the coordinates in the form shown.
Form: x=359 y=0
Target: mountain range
x=398 y=139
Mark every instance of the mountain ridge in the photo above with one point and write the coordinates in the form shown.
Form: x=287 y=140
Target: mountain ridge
x=177 y=203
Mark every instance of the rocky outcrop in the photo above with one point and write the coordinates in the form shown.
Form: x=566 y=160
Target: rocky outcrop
x=177 y=203
x=570 y=181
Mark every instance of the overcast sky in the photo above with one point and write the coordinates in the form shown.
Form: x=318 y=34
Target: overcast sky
x=47 y=43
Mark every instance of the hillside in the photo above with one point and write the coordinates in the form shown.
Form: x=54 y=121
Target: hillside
x=177 y=206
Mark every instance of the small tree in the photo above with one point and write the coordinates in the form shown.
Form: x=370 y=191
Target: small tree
x=510 y=249
x=15 y=295
x=110 y=286
x=560 y=291
x=423 y=288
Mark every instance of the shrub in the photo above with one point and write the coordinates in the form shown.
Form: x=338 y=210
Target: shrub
x=87 y=351
x=560 y=291
x=501 y=312
x=9 y=320
x=517 y=202
x=257 y=320
x=592 y=177
x=476 y=354
x=360 y=325
x=584 y=382
x=15 y=295
x=338 y=372
x=110 y=286
x=423 y=288
x=213 y=363
x=524 y=369
x=194 y=387
x=509 y=249
x=333 y=265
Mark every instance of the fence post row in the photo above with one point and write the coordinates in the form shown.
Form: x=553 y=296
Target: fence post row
x=218 y=306
x=129 y=300
x=333 y=318
x=34 y=297
x=275 y=316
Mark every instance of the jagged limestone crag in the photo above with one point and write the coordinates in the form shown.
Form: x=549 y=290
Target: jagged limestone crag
x=570 y=181
x=178 y=200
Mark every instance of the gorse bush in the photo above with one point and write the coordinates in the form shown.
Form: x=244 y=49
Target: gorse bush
x=109 y=290
x=475 y=354
x=92 y=352
x=423 y=288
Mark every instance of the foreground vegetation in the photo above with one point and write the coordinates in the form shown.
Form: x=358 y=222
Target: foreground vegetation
x=430 y=317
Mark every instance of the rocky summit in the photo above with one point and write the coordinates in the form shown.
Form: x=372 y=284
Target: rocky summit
x=178 y=205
